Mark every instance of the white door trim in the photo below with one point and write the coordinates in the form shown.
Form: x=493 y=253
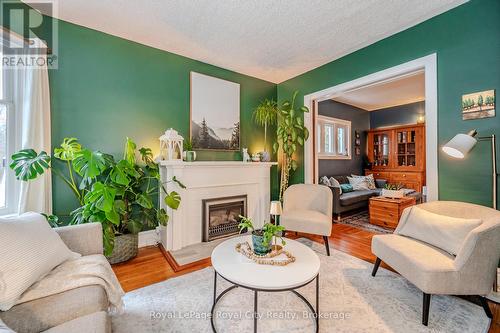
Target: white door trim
x=429 y=65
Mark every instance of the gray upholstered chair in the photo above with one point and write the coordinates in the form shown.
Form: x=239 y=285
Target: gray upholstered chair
x=434 y=271
x=308 y=208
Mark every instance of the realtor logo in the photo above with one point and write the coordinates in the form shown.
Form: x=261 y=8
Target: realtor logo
x=29 y=34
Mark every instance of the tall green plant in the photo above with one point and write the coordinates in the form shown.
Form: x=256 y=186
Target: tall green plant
x=266 y=114
x=118 y=194
x=291 y=133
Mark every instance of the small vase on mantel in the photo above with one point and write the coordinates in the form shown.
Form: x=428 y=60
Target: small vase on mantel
x=265 y=156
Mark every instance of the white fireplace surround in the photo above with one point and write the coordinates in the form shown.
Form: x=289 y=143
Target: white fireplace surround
x=208 y=180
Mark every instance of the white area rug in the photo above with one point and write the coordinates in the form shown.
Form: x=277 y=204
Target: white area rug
x=350 y=301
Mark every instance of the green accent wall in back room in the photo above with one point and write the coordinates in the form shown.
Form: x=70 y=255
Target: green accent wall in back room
x=466 y=40
x=107 y=88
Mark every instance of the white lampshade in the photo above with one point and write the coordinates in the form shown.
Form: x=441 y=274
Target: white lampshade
x=275 y=208
x=460 y=145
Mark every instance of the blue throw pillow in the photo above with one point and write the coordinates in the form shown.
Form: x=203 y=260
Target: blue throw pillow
x=346 y=188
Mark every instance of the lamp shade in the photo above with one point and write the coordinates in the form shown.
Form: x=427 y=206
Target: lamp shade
x=460 y=145
x=275 y=208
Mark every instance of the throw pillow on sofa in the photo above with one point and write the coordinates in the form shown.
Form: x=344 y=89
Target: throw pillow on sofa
x=346 y=188
x=358 y=183
x=29 y=250
x=445 y=232
x=325 y=181
x=369 y=179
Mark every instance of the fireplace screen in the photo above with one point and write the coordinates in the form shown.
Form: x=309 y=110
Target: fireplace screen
x=221 y=216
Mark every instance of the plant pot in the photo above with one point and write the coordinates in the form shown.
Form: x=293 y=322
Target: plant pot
x=126 y=248
x=190 y=156
x=258 y=243
x=392 y=193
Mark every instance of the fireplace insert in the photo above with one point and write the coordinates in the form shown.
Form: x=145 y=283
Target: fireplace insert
x=221 y=216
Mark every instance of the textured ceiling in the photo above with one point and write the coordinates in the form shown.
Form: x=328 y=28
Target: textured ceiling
x=270 y=39
x=399 y=91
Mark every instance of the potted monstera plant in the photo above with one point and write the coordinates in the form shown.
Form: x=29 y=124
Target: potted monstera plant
x=117 y=193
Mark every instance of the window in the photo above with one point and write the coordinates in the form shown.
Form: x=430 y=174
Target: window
x=8 y=184
x=333 y=138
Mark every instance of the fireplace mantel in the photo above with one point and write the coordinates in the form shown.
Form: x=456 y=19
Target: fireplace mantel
x=208 y=180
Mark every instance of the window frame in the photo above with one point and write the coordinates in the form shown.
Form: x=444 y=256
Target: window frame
x=337 y=123
x=12 y=185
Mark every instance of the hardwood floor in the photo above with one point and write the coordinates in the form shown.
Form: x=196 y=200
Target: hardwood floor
x=151 y=266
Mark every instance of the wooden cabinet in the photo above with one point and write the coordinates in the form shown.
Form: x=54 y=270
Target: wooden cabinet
x=398 y=155
x=386 y=212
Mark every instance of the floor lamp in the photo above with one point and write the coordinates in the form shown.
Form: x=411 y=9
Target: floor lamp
x=461 y=144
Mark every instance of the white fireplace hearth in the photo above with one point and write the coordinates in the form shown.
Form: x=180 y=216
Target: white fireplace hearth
x=208 y=181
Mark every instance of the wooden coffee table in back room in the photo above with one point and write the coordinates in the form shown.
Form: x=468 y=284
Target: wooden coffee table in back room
x=385 y=212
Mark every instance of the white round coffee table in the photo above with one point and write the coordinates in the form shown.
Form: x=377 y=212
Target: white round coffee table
x=242 y=272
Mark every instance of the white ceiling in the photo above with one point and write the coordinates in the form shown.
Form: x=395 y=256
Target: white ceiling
x=397 y=91
x=270 y=39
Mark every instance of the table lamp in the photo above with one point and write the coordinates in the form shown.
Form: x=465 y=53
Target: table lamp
x=275 y=210
x=462 y=144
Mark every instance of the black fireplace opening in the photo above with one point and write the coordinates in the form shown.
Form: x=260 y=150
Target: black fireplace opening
x=221 y=216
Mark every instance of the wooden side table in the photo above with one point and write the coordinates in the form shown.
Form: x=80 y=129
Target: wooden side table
x=385 y=212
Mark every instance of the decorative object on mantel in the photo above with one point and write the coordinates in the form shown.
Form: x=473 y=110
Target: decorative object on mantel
x=171 y=145
x=256 y=157
x=118 y=194
x=262 y=238
x=246 y=250
x=478 y=105
x=265 y=114
x=189 y=154
x=393 y=191
x=215 y=113
x=291 y=134
x=246 y=156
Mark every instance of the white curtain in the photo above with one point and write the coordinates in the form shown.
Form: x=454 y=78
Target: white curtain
x=30 y=97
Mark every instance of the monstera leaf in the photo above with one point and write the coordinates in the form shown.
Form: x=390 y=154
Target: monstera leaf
x=147 y=157
x=122 y=173
x=90 y=164
x=173 y=200
x=129 y=153
x=28 y=165
x=102 y=196
x=162 y=217
x=144 y=200
x=69 y=147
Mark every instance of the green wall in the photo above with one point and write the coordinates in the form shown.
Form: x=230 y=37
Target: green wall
x=467 y=43
x=107 y=88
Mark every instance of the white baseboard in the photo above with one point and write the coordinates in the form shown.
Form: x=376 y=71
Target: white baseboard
x=148 y=238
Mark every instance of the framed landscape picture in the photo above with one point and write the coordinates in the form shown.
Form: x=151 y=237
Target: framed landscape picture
x=478 y=105
x=215 y=113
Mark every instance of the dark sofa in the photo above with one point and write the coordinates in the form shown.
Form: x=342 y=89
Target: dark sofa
x=352 y=200
x=357 y=199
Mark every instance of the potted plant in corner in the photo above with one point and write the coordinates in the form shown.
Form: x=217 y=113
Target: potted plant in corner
x=118 y=194
x=262 y=238
x=265 y=114
x=291 y=133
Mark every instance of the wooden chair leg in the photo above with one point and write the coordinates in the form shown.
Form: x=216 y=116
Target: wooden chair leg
x=325 y=239
x=486 y=307
x=425 y=309
x=375 y=267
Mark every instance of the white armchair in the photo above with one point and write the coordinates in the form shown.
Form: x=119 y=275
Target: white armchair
x=308 y=208
x=471 y=272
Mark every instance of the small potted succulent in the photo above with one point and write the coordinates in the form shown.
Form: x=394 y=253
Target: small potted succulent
x=189 y=153
x=393 y=190
x=262 y=239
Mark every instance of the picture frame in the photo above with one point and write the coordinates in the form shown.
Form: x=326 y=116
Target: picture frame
x=214 y=113
x=478 y=105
